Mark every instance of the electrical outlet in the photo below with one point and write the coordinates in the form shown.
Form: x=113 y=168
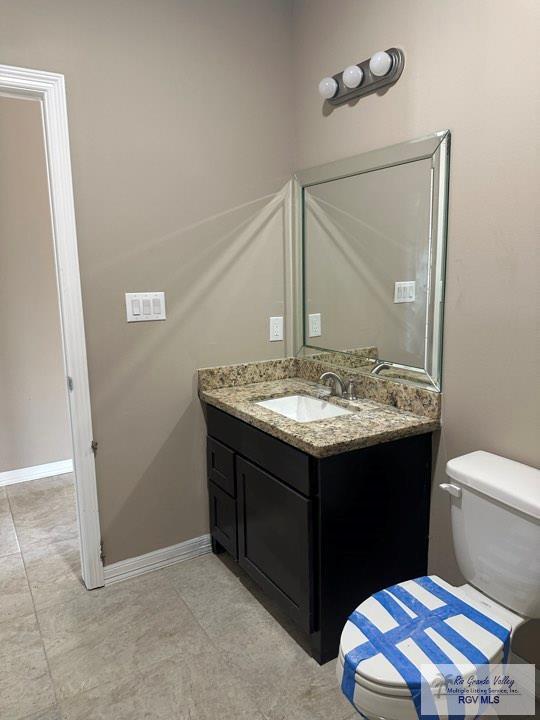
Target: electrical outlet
x=405 y=292
x=314 y=325
x=276 y=329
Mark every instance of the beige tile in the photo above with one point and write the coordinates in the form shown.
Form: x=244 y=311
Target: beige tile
x=211 y=589
x=308 y=692
x=42 y=485
x=116 y=632
x=8 y=537
x=25 y=684
x=44 y=510
x=519 y=717
x=15 y=597
x=191 y=642
x=285 y=681
x=200 y=688
x=54 y=572
x=52 y=713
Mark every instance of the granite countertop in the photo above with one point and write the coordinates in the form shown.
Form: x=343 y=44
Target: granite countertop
x=371 y=423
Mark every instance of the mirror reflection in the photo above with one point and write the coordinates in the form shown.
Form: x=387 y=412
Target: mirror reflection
x=373 y=262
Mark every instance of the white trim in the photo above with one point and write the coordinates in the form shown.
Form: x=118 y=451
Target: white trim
x=124 y=569
x=35 y=472
x=288 y=234
x=49 y=89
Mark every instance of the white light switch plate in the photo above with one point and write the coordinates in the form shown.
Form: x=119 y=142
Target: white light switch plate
x=314 y=325
x=144 y=306
x=405 y=291
x=276 y=329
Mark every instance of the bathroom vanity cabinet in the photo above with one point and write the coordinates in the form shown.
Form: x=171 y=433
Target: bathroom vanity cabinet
x=318 y=535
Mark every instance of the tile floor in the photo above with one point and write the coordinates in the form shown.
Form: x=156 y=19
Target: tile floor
x=190 y=642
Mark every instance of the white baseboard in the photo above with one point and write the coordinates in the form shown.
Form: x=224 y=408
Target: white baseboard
x=10 y=477
x=124 y=569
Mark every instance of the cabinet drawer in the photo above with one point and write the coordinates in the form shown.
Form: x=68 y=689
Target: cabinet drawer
x=274 y=539
x=280 y=459
x=223 y=519
x=220 y=466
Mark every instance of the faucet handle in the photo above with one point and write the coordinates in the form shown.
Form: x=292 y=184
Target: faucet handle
x=349 y=389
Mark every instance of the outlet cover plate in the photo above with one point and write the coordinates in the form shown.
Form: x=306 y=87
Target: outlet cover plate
x=405 y=292
x=314 y=325
x=276 y=329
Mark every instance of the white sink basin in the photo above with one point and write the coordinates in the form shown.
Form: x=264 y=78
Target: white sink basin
x=304 y=408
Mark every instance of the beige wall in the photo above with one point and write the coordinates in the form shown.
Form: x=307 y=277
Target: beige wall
x=490 y=368
x=180 y=128
x=33 y=410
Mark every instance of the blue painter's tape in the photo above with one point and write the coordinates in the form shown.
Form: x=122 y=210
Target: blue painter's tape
x=402 y=632
x=414 y=628
x=472 y=613
x=408 y=670
x=352 y=660
x=467 y=649
x=436 y=656
x=409 y=600
x=392 y=607
x=470 y=651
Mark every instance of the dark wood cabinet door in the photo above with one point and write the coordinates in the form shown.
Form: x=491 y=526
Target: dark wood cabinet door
x=220 y=465
x=274 y=539
x=223 y=526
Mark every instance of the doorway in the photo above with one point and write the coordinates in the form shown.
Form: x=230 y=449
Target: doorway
x=46 y=427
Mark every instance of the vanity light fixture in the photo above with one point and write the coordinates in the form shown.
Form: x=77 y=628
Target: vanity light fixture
x=328 y=88
x=353 y=76
x=380 y=63
x=381 y=69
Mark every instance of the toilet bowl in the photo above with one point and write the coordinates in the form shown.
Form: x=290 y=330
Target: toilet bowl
x=403 y=633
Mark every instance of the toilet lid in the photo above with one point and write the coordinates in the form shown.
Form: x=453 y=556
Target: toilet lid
x=384 y=679
x=418 y=622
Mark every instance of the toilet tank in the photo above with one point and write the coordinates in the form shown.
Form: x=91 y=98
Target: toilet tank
x=496 y=528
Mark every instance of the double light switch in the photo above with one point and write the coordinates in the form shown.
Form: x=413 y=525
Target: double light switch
x=145 y=306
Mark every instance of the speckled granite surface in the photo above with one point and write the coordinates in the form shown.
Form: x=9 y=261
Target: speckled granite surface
x=364 y=359
x=237 y=388
x=356 y=358
x=245 y=373
x=409 y=398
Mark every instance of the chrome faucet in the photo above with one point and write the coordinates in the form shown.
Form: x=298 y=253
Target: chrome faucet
x=336 y=383
x=380 y=366
x=338 y=387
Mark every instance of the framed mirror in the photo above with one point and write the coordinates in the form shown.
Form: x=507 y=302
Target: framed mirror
x=370 y=260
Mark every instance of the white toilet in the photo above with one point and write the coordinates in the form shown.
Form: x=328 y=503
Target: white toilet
x=496 y=529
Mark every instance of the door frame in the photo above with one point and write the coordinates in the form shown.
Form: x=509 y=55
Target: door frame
x=49 y=89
